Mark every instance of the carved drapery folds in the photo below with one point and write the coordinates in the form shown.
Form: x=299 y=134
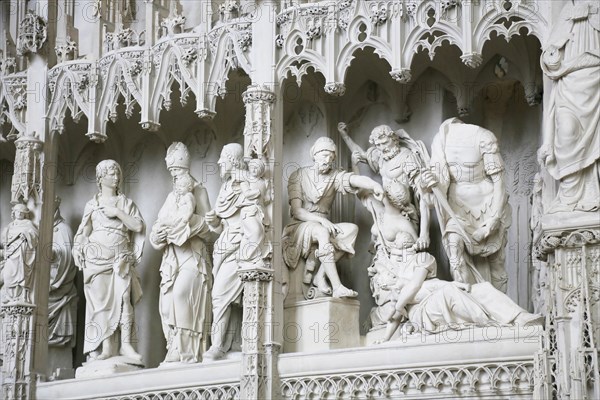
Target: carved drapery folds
x=27 y=179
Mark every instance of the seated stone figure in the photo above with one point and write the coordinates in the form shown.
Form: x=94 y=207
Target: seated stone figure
x=433 y=305
x=311 y=191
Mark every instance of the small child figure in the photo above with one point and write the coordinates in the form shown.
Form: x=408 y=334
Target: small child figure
x=255 y=195
x=255 y=187
x=184 y=198
x=176 y=220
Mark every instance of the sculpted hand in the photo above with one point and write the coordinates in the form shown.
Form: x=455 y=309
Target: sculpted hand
x=110 y=212
x=487 y=229
x=211 y=218
x=428 y=179
x=421 y=244
x=330 y=226
x=358 y=157
x=342 y=128
x=160 y=234
x=545 y=155
x=78 y=257
x=378 y=191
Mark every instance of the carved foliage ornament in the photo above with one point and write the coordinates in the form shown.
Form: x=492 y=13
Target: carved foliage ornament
x=567 y=239
x=32 y=34
x=66 y=50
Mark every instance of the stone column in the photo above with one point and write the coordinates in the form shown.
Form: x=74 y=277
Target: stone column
x=259 y=361
x=25 y=340
x=259 y=377
x=567 y=365
x=17 y=336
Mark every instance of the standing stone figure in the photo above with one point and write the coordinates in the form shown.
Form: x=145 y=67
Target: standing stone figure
x=62 y=300
x=236 y=217
x=180 y=231
x=311 y=235
x=470 y=172
x=571 y=144
x=20 y=240
x=107 y=248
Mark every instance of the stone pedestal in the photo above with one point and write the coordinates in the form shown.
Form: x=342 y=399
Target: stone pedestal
x=113 y=365
x=321 y=324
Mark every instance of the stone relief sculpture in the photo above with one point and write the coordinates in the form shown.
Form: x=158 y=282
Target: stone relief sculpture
x=469 y=170
x=181 y=232
x=432 y=305
x=239 y=218
x=20 y=239
x=62 y=300
x=401 y=220
x=107 y=248
x=311 y=236
x=571 y=137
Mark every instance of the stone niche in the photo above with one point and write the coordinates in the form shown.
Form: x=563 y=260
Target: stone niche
x=494 y=97
x=146 y=181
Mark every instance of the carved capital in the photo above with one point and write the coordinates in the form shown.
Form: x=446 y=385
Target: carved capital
x=32 y=34
x=150 y=126
x=17 y=309
x=568 y=238
x=472 y=60
x=205 y=114
x=256 y=275
x=335 y=88
x=258 y=93
x=96 y=137
x=401 y=76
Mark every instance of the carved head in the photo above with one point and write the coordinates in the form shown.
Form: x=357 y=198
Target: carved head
x=385 y=140
x=323 y=153
x=256 y=168
x=184 y=184
x=20 y=211
x=178 y=158
x=109 y=174
x=232 y=158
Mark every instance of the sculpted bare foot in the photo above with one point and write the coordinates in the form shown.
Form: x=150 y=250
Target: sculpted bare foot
x=342 y=291
x=127 y=350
